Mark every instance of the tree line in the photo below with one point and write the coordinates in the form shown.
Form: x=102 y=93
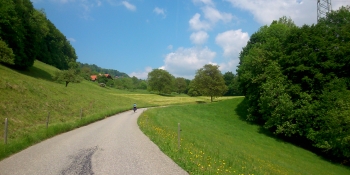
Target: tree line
x=208 y=81
x=297 y=80
x=26 y=34
x=92 y=69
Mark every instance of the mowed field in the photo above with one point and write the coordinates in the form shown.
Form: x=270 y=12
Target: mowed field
x=29 y=97
x=216 y=139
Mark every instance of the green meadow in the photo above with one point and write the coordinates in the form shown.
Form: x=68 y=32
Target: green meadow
x=28 y=97
x=216 y=139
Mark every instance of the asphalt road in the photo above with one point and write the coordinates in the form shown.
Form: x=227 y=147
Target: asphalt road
x=114 y=145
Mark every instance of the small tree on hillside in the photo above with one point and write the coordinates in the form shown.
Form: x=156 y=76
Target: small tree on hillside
x=70 y=75
x=209 y=81
x=67 y=76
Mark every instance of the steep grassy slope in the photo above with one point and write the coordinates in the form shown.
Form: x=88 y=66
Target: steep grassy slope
x=27 y=97
x=216 y=139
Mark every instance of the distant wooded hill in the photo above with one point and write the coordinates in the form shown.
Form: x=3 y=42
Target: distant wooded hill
x=95 y=70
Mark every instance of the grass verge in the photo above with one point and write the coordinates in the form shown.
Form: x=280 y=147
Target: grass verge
x=215 y=139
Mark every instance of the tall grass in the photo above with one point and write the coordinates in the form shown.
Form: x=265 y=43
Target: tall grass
x=215 y=139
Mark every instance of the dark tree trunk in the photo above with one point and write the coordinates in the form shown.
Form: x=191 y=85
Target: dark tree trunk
x=67 y=83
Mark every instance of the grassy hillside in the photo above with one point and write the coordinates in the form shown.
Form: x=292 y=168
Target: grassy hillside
x=28 y=96
x=216 y=139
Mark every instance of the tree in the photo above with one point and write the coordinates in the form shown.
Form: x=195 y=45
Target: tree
x=135 y=82
x=160 y=80
x=6 y=54
x=192 y=90
x=231 y=81
x=86 y=72
x=67 y=76
x=32 y=36
x=102 y=79
x=209 y=81
x=264 y=47
x=70 y=75
x=110 y=83
x=180 y=85
x=296 y=81
x=127 y=83
x=143 y=85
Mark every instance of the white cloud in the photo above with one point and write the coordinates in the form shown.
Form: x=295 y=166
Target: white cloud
x=213 y=15
x=265 y=11
x=301 y=12
x=199 y=37
x=185 y=61
x=141 y=75
x=170 y=47
x=129 y=6
x=337 y=4
x=231 y=66
x=71 y=40
x=159 y=11
x=232 y=42
x=197 y=24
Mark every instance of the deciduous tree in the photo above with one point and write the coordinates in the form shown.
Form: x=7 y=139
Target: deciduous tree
x=180 y=85
x=209 y=81
x=6 y=54
x=160 y=80
x=67 y=76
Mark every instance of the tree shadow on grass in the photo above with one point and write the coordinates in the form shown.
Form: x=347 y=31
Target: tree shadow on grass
x=166 y=95
x=242 y=112
x=298 y=141
x=36 y=73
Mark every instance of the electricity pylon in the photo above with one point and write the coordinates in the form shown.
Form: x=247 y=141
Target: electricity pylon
x=323 y=7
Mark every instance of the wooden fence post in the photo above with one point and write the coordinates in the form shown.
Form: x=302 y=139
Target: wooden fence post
x=5 y=136
x=81 y=113
x=48 y=120
x=178 y=135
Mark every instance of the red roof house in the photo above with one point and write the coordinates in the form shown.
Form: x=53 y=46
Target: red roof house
x=93 y=77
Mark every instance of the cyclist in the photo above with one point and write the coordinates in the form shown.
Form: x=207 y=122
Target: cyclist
x=134 y=107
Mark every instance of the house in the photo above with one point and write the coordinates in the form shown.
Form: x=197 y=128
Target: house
x=94 y=77
x=108 y=76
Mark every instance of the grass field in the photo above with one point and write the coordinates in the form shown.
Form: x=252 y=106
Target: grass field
x=27 y=97
x=215 y=139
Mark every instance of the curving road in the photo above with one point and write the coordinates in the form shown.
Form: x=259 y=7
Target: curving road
x=114 y=145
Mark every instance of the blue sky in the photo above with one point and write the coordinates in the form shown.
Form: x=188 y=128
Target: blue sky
x=180 y=36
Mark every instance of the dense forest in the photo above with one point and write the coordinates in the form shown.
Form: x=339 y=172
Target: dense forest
x=297 y=80
x=26 y=35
